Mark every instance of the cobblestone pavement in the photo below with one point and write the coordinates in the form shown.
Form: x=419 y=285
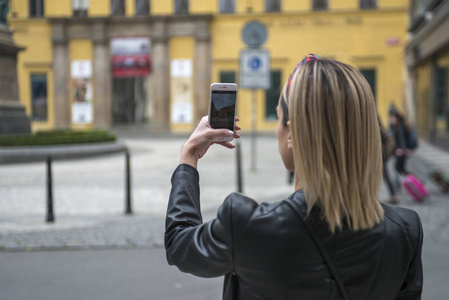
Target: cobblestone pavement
x=89 y=194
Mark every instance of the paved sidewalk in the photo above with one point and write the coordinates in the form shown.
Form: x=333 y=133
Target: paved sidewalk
x=89 y=194
x=89 y=210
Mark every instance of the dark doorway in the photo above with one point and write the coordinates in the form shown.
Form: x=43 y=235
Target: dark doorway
x=129 y=100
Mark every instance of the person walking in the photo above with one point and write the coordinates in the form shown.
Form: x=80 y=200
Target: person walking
x=331 y=238
x=388 y=146
x=398 y=131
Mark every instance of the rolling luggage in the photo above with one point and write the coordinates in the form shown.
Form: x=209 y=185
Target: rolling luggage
x=415 y=188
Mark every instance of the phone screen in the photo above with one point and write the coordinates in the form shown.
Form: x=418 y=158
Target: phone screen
x=222 y=109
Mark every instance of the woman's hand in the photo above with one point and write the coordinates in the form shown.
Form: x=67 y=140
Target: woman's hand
x=202 y=138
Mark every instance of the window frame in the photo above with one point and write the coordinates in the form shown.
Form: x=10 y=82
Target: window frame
x=269 y=6
x=179 y=7
x=142 y=12
x=315 y=6
x=368 y=4
x=223 y=6
x=39 y=6
x=121 y=10
x=34 y=115
x=441 y=90
x=372 y=84
x=273 y=93
x=80 y=8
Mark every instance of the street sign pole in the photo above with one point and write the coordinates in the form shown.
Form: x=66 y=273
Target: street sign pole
x=254 y=73
x=254 y=130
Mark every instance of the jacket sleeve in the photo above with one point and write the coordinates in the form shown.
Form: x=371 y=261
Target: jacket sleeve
x=413 y=282
x=202 y=249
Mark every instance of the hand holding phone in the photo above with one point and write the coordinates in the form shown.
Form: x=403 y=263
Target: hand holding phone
x=223 y=100
x=199 y=142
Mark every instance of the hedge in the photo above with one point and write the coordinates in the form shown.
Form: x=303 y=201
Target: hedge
x=57 y=137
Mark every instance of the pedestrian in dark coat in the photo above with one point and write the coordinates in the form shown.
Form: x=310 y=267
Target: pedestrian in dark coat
x=398 y=131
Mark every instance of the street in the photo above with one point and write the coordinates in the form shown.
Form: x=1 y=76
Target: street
x=99 y=274
x=94 y=251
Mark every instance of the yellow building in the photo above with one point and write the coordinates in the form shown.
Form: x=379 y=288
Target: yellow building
x=103 y=63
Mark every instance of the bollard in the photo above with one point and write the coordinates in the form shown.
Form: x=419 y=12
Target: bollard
x=128 y=209
x=50 y=217
x=291 y=177
x=239 y=168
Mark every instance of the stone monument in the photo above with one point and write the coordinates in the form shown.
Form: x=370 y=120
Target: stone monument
x=13 y=119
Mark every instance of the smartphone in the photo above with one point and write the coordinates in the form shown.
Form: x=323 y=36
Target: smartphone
x=223 y=100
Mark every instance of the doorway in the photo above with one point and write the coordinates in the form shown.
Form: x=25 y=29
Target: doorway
x=129 y=100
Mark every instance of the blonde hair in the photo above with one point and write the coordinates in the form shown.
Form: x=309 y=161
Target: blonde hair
x=336 y=143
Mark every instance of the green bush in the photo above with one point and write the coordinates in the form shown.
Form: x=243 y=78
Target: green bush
x=57 y=137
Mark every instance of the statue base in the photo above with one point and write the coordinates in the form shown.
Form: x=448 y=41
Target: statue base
x=13 y=119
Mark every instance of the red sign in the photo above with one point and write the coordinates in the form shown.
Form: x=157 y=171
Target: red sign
x=393 y=41
x=130 y=65
x=130 y=56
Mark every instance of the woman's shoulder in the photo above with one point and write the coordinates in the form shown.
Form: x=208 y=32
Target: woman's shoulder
x=242 y=208
x=406 y=219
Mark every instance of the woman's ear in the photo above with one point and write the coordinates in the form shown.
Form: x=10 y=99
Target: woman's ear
x=289 y=136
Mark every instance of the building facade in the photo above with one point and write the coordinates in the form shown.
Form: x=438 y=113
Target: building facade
x=102 y=63
x=427 y=62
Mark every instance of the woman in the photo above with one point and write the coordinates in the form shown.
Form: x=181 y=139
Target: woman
x=388 y=145
x=329 y=135
x=398 y=131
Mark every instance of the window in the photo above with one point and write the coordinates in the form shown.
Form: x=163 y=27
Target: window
x=417 y=9
x=227 y=76
x=368 y=4
x=441 y=83
x=273 y=5
x=36 y=8
x=142 y=7
x=118 y=7
x=80 y=8
x=319 y=4
x=272 y=96
x=370 y=76
x=417 y=14
x=181 y=6
x=39 y=97
x=227 y=6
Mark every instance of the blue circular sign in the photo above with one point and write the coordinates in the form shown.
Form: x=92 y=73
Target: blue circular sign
x=254 y=34
x=255 y=63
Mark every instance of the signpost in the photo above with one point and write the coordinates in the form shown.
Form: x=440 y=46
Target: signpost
x=254 y=72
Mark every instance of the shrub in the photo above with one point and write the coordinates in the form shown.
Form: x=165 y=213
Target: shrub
x=57 y=137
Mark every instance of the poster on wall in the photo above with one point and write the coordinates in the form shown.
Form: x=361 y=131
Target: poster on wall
x=81 y=91
x=181 y=91
x=130 y=56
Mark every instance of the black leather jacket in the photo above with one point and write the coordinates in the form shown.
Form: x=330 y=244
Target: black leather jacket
x=272 y=256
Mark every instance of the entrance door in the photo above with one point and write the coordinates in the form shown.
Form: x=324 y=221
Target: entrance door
x=129 y=100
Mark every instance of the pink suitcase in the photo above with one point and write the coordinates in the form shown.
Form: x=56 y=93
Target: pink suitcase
x=414 y=188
